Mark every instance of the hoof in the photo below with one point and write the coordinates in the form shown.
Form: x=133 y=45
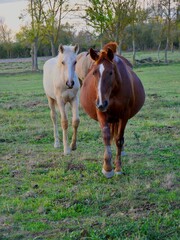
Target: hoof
x=73 y=147
x=108 y=174
x=57 y=145
x=118 y=173
x=67 y=151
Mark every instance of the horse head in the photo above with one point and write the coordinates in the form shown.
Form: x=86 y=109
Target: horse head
x=104 y=76
x=67 y=61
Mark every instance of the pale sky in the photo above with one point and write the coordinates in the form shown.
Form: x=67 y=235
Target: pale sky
x=10 y=11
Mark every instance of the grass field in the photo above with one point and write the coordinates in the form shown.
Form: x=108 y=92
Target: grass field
x=45 y=195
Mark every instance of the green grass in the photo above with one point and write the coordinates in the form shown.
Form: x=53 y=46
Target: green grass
x=45 y=195
x=19 y=65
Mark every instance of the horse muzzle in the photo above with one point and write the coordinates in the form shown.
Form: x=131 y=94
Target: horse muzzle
x=103 y=106
x=70 y=84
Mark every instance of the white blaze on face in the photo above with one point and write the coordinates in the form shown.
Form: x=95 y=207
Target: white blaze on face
x=101 y=70
x=69 y=70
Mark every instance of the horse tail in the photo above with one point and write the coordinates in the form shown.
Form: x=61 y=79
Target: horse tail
x=114 y=131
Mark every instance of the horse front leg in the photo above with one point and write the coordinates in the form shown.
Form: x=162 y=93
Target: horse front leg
x=64 y=125
x=75 y=122
x=119 y=146
x=107 y=165
x=53 y=114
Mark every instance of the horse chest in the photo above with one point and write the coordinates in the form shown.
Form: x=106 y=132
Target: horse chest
x=68 y=95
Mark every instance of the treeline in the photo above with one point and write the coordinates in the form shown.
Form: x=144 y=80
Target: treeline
x=134 y=25
x=146 y=40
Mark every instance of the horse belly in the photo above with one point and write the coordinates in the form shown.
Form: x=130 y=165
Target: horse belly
x=139 y=98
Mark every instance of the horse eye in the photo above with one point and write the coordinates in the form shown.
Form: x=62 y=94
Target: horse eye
x=110 y=73
x=75 y=62
x=62 y=62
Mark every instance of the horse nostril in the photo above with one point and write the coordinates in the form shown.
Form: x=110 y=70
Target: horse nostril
x=70 y=84
x=105 y=104
x=102 y=107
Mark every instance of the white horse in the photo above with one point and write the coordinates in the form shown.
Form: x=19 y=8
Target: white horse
x=61 y=86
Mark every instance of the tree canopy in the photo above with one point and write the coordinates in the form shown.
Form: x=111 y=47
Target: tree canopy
x=132 y=25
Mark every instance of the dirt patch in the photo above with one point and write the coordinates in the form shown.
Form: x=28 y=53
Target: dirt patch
x=165 y=129
x=32 y=104
x=72 y=166
x=154 y=96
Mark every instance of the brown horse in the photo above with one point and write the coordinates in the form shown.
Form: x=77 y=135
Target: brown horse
x=111 y=94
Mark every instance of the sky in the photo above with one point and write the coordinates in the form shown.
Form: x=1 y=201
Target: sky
x=10 y=11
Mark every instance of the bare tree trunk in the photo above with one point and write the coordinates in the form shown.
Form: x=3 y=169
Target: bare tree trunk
x=120 y=47
x=159 y=46
x=166 y=51
x=34 y=55
x=133 y=44
x=53 y=49
x=134 y=51
x=168 y=30
x=172 y=47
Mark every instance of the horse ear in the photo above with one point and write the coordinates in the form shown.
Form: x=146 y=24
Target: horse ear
x=110 y=54
x=76 y=48
x=93 y=54
x=61 y=48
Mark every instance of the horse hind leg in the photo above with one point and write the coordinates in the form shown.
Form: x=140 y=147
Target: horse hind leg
x=52 y=105
x=118 y=162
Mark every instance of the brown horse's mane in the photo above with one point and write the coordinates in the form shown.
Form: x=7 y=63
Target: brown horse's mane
x=103 y=52
x=111 y=45
x=102 y=55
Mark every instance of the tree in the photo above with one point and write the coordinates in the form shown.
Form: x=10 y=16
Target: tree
x=121 y=18
x=178 y=24
x=85 y=39
x=110 y=17
x=6 y=37
x=53 y=13
x=156 y=18
x=168 y=8
x=137 y=15
x=33 y=31
x=98 y=14
x=35 y=10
